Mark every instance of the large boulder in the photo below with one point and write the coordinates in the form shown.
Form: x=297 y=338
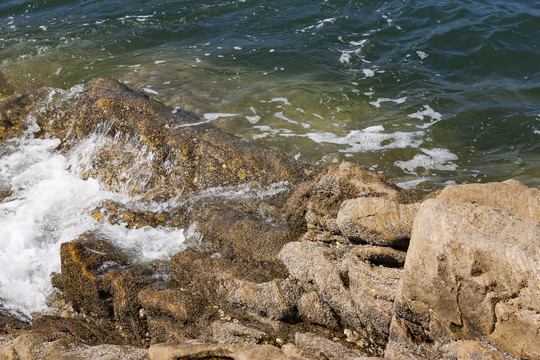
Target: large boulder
x=141 y=147
x=471 y=274
x=510 y=195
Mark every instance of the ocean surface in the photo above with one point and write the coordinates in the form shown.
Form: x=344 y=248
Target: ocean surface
x=429 y=93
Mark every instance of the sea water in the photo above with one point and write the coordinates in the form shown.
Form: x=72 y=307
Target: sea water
x=429 y=93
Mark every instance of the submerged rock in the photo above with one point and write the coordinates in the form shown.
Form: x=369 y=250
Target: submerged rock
x=13 y=112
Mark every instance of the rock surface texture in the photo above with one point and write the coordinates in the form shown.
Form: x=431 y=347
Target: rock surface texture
x=472 y=273
x=282 y=260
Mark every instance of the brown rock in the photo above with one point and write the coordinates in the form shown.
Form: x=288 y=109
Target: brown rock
x=471 y=272
x=35 y=346
x=321 y=348
x=510 y=195
x=312 y=308
x=171 y=351
x=359 y=294
x=276 y=299
x=378 y=221
x=13 y=112
x=380 y=255
x=172 y=153
x=176 y=304
x=85 y=262
x=232 y=333
x=314 y=205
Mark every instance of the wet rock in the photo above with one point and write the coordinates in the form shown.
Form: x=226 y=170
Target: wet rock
x=173 y=154
x=116 y=213
x=171 y=351
x=85 y=263
x=510 y=195
x=471 y=273
x=377 y=221
x=90 y=330
x=311 y=307
x=9 y=322
x=177 y=304
x=314 y=205
x=13 y=112
x=40 y=346
x=319 y=347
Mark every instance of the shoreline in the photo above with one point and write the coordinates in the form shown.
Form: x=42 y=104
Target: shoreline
x=338 y=264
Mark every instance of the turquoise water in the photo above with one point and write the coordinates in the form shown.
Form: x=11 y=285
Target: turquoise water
x=427 y=92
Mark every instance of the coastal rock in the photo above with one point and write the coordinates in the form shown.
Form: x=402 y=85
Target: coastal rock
x=312 y=308
x=510 y=195
x=39 y=346
x=85 y=262
x=319 y=347
x=377 y=221
x=232 y=333
x=359 y=294
x=314 y=205
x=471 y=273
x=172 y=351
x=276 y=299
x=12 y=115
x=141 y=147
x=380 y=255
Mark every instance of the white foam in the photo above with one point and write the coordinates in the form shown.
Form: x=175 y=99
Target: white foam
x=377 y=103
x=431 y=159
x=150 y=91
x=48 y=206
x=214 y=116
x=345 y=58
x=422 y=54
x=159 y=61
x=253 y=119
x=368 y=72
x=370 y=139
x=280 y=115
x=281 y=99
x=237 y=48
x=410 y=184
x=428 y=111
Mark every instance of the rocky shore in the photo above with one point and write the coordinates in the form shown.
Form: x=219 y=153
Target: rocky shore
x=284 y=260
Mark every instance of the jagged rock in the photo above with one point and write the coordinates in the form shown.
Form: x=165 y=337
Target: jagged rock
x=319 y=347
x=85 y=262
x=373 y=291
x=361 y=295
x=39 y=346
x=510 y=195
x=314 y=205
x=171 y=351
x=116 y=213
x=471 y=273
x=378 y=221
x=9 y=322
x=380 y=255
x=275 y=299
x=311 y=307
x=172 y=153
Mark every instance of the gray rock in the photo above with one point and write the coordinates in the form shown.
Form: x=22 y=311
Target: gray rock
x=322 y=348
x=312 y=308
